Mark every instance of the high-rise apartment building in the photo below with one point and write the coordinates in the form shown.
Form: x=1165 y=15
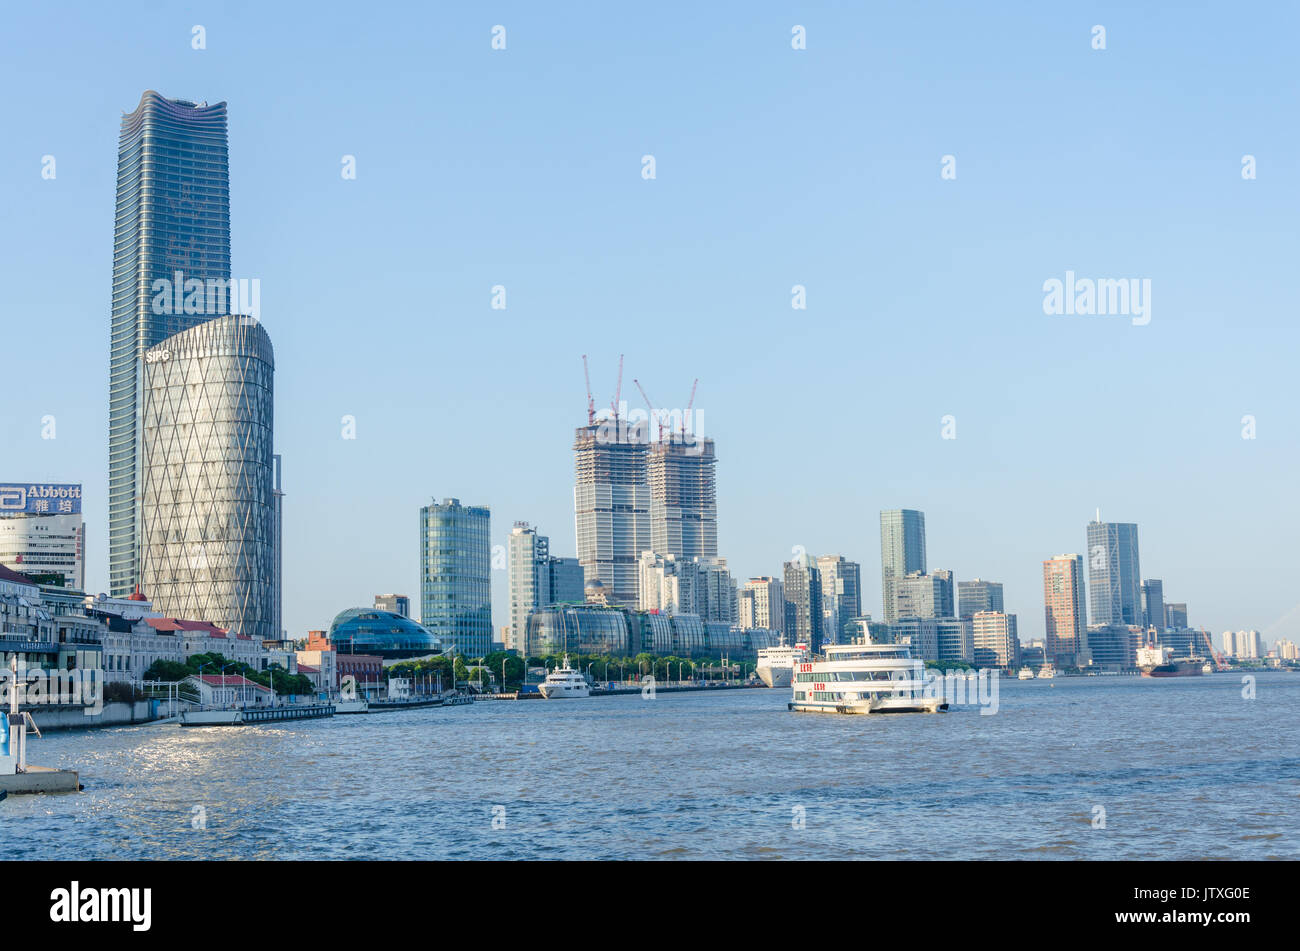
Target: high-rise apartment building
x=1064 y=606
x=455 y=575
x=611 y=505
x=902 y=551
x=1113 y=573
x=841 y=595
x=172 y=222
x=978 y=595
x=1153 y=604
x=996 y=643
x=803 y=598
x=681 y=473
x=207 y=514
x=761 y=604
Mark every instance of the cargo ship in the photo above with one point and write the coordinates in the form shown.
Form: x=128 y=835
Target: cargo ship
x=1192 y=667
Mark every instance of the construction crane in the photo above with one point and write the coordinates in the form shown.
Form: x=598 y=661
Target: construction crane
x=686 y=416
x=651 y=407
x=1220 y=662
x=591 y=403
x=618 y=390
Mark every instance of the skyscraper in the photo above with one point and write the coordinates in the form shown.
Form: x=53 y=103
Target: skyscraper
x=996 y=643
x=1114 y=573
x=978 y=595
x=683 y=498
x=1153 y=604
x=208 y=504
x=803 y=597
x=537 y=578
x=172 y=217
x=902 y=551
x=455 y=575
x=1176 y=616
x=1064 y=605
x=611 y=506
x=841 y=595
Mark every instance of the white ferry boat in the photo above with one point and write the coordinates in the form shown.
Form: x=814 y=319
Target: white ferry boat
x=1046 y=672
x=776 y=664
x=564 y=683
x=863 y=678
x=1026 y=673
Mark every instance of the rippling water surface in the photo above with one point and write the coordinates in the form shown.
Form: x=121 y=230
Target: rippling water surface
x=1184 y=768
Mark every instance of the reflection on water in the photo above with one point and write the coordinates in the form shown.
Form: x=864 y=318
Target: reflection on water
x=1183 y=769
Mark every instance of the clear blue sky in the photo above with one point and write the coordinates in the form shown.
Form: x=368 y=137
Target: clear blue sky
x=775 y=167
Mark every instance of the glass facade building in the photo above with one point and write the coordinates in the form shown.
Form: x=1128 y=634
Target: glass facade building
x=611 y=506
x=208 y=508
x=385 y=633
x=902 y=552
x=1115 y=591
x=577 y=629
x=172 y=216
x=456 y=575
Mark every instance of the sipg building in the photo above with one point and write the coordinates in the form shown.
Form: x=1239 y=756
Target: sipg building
x=208 y=523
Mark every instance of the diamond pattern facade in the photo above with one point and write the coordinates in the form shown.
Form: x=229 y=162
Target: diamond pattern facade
x=208 y=545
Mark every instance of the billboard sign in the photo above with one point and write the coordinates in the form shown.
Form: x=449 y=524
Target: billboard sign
x=39 y=498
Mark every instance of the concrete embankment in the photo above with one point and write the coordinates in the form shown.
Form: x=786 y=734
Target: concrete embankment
x=77 y=717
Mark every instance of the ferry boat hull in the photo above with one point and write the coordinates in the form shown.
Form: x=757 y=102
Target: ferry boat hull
x=878 y=705
x=776 y=676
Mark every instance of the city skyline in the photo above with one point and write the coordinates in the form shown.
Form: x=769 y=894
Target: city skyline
x=960 y=483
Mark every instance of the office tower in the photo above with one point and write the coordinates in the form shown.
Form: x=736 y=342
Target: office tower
x=208 y=506
x=1064 y=604
x=902 y=551
x=529 y=566
x=1176 y=616
x=841 y=595
x=922 y=595
x=394 y=603
x=611 y=504
x=935 y=638
x=762 y=604
x=803 y=597
x=1153 y=604
x=538 y=578
x=978 y=595
x=995 y=639
x=683 y=499
x=455 y=575
x=41 y=532
x=1113 y=573
x=172 y=217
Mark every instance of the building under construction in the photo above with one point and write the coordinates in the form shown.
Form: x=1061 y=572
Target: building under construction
x=683 y=497
x=611 y=506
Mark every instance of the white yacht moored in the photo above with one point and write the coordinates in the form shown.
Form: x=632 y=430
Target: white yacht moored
x=1046 y=672
x=564 y=683
x=776 y=664
x=863 y=678
x=1026 y=673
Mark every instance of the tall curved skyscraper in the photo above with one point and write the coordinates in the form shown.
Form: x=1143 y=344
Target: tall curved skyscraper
x=208 y=523
x=173 y=217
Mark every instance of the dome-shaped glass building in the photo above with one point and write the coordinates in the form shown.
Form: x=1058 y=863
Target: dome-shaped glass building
x=372 y=631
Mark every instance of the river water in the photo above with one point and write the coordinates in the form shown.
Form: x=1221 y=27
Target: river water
x=1183 y=768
